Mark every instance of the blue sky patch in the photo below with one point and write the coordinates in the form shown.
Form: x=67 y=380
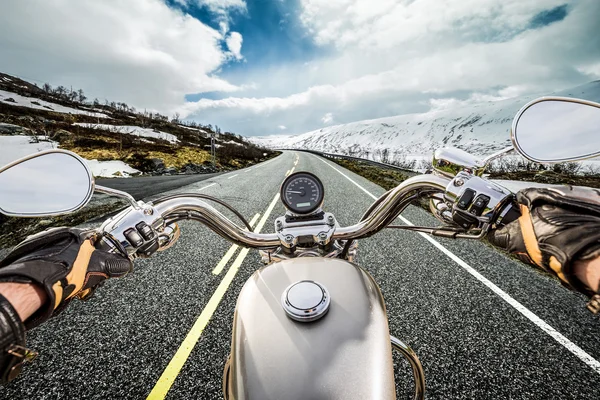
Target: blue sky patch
x=273 y=36
x=548 y=17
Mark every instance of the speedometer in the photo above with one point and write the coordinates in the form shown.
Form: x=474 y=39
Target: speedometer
x=302 y=193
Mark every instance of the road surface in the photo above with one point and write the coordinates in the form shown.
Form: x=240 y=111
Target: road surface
x=483 y=325
x=144 y=186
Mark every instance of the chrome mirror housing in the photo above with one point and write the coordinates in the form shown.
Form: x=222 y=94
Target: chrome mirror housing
x=449 y=161
x=557 y=129
x=48 y=183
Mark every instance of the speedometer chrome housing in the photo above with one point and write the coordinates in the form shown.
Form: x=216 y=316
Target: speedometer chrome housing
x=302 y=193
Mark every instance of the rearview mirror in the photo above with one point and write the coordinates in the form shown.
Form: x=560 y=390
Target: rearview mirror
x=557 y=129
x=48 y=183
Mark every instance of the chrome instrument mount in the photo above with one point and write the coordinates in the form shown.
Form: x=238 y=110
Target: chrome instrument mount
x=305 y=231
x=305 y=301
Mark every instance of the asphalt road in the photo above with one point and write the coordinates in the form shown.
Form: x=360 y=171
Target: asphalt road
x=144 y=186
x=471 y=337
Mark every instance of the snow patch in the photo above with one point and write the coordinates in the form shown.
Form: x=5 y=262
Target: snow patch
x=25 y=101
x=192 y=129
x=232 y=142
x=14 y=147
x=132 y=130
x=111 y=169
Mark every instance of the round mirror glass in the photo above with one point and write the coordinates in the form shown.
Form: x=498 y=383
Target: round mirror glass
x=557 y=130
x=48 y=184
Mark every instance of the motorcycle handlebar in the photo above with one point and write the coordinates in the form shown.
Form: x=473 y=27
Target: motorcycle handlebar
x=187 y=207
x=387 y=208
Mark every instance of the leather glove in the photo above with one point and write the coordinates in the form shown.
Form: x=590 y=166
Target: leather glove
x=557 y=227
x=65 y=263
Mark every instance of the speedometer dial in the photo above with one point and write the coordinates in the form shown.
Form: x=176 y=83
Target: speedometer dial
x=302 y=193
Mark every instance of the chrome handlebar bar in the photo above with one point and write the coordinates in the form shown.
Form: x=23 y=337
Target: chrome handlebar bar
x=188 y=207
x=388 y=208
x=163 y=215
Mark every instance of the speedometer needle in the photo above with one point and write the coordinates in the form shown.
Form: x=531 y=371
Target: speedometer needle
x=292 y=191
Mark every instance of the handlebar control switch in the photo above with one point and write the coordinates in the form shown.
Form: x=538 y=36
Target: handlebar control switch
x=479 y=204
x=133 y=237
x=465 y=200
x=146 y=231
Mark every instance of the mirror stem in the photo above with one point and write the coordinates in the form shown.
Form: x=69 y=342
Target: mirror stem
x=497 y=154
x=118 y=193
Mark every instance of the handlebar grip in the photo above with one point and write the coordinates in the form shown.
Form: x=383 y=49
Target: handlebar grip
x=511 y=215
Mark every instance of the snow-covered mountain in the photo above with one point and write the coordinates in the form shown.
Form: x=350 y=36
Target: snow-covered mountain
x=480 y=129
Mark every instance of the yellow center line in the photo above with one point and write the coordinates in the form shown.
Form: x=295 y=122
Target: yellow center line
x=166 y=380
x=231 y=251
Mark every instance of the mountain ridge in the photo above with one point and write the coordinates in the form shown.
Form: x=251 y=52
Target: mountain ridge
x=481 y=129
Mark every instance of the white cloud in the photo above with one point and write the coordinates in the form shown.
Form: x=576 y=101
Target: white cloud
x=234 y=44
x=138 y=51
x=222 y=6
x=327 y=118
x=282 y=127
x=393 y=57
x=591 y=70
x=377 y=57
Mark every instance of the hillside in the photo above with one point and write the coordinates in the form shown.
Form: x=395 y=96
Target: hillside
x=117 y=139
x=405 y=139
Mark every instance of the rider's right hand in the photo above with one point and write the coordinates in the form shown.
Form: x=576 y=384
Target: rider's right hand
x=558 y=227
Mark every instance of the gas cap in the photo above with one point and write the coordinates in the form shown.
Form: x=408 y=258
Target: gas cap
x=305 y=301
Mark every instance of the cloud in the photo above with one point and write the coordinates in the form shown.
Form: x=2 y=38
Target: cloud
x=393 y=57
x=137 y=51
x=282 y=127
x=366 y=59
x=327 y=118
x=234 y=44
x=222 y=6
x=221 y=9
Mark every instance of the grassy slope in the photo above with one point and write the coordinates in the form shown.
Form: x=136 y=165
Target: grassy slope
x=103 y=145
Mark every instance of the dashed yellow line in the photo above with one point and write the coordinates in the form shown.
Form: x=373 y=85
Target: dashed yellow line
x=231 y=251
x=164 y=383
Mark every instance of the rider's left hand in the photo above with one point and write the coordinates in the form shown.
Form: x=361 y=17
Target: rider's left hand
x=65 y=264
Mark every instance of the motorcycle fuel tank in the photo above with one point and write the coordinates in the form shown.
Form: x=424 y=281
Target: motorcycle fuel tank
x=345 y=354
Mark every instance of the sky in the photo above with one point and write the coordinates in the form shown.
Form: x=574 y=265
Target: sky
x=263 y=67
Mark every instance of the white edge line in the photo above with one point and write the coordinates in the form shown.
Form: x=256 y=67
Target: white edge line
x=543 y=325
x=212 y=184
x=231 y=177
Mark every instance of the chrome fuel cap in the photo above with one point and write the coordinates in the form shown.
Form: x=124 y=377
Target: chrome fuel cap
x=305 y=301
